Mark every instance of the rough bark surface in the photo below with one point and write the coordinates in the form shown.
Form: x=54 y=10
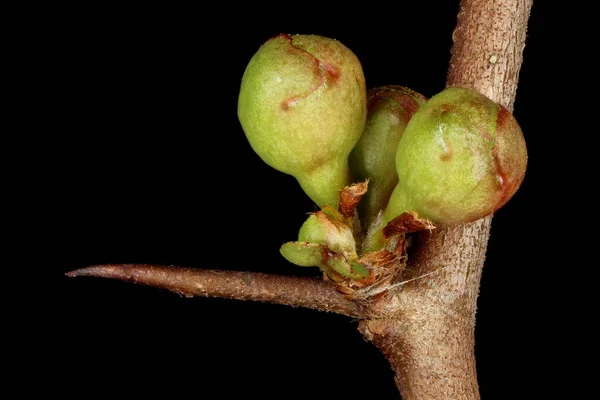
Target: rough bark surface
x=488 y=47
x=292 y=291
x=428 y=336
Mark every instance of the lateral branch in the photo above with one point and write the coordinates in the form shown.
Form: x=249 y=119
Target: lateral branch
x=277 y=289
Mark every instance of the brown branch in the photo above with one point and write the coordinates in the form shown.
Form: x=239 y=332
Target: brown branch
x=488 y=47
x=292 y=291
x=430 y=343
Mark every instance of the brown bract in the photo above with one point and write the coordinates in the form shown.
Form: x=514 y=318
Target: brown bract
x=351 y=196
x=407 y=222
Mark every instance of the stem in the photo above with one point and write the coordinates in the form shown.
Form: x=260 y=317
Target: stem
x=430 y=339
x=488 y=47
x=324 y=183
x=292 y=291
x=430 y=342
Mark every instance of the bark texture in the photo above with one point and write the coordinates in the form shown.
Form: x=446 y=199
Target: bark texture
x=292 y=291
x=428 y=333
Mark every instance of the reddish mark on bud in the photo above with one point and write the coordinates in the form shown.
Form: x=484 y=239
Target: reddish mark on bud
x=405 y=97
x=447 y=155
x=486 y=135
x=409 y=104
x=332 y=70
x=447 y=108
x=283 y=35
x=372 y=102
x=321 y=71
x=507 y=182
x=290 y=101
x=502 y=181
x=325 y=254
x=502 y=117
x=502 y=177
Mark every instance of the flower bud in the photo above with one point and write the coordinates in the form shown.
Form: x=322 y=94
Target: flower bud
x=374 y=156
x=462 y=156
x=302 y=105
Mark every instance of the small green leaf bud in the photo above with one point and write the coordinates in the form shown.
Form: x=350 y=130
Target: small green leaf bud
x=326 y=241
x=319 y=228
x=303 y=254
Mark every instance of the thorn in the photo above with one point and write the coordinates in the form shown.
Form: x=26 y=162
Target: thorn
x=102 y=271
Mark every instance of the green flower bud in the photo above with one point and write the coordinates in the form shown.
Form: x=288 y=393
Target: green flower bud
x=462 y=156
x=374 y=157
x=302 y=105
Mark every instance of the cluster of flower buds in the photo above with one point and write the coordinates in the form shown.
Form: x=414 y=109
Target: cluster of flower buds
x=452 y=159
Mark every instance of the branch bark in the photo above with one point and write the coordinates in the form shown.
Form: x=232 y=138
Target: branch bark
x=429 y=335
x=292 y=291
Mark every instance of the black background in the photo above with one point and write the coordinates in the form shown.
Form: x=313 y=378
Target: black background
x=153 y=167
